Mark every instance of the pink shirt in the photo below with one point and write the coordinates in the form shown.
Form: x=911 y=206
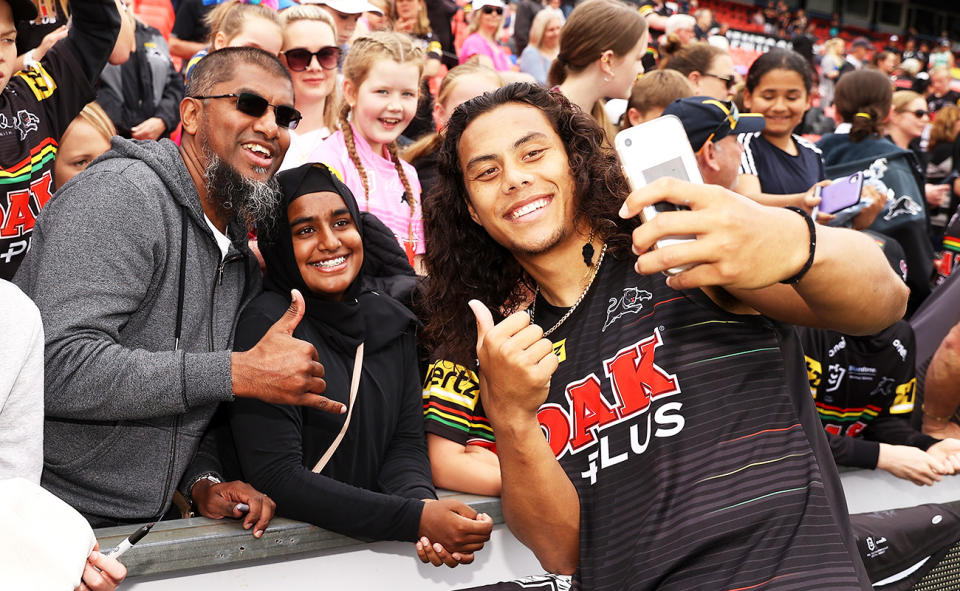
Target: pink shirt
x=386 y=189
x=478 y=44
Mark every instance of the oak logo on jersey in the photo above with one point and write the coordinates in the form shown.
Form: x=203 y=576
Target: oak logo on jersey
x=630 y=302
x=23 y=206
x=637 y=383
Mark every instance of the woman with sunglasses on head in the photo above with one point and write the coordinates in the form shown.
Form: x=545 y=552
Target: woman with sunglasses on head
x=310 y=53
x=708 y=69
x=487 y=18
x=601 y=48
x=364 y=473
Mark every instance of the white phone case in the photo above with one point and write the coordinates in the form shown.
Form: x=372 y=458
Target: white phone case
x=655 y=149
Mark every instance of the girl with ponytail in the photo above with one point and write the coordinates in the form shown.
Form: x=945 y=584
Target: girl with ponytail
x=862 y=99
x=381 y=81
x=601 y=46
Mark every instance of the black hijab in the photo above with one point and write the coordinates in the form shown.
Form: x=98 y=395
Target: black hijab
x=364 y=315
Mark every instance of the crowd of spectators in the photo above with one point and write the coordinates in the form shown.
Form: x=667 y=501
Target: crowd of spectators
x=191 y=331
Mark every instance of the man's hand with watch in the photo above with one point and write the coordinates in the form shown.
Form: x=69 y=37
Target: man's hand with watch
x=216 y=499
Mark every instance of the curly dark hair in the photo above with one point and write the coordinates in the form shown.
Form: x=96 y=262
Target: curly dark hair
x=463 y=262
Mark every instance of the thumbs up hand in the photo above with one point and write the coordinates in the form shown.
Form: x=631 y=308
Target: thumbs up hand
x=281 y=369
x=516 y=364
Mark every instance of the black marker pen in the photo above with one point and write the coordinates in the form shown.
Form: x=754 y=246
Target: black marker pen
x=125 y=545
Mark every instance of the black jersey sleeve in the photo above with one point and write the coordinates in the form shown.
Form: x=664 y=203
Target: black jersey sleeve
x=62 y=84
x=452 y=407
x=897 y=431
x=854 y=452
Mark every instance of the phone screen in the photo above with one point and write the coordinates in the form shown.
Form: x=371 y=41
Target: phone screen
x=671 y=168
x=842 y=194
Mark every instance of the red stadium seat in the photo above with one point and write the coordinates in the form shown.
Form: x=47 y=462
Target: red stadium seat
x=156 y=13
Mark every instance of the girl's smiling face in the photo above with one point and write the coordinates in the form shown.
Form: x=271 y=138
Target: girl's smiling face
x=384 y=103
x=326 y=243
x=782 y=98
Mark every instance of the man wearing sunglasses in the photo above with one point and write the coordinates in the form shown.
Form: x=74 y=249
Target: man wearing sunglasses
x=712 y=127
x=140 y=271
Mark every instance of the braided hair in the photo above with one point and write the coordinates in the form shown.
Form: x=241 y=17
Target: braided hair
x=364 y=52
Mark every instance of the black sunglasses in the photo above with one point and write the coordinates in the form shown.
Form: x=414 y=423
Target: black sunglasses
x=728 y=80
x=299 y=58
x=492 y=9
x=919 y=113
x=251 y=103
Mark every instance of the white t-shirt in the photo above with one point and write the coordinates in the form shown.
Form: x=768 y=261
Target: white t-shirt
x=301 y=146
x=21 y=385
x=223 y=241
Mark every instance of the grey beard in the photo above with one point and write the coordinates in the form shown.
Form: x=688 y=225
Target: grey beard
x=246 y=200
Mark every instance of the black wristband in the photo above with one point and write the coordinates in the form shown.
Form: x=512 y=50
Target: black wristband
x=813 y=246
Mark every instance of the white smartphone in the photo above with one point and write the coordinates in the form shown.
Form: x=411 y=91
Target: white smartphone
x=655 y=149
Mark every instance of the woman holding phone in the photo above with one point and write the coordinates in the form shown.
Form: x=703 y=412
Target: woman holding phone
x=863 y=99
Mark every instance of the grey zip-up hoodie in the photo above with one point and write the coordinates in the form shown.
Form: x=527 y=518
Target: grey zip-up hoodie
x=125 y=411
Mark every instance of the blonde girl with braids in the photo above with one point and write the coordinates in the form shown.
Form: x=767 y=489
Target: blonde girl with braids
x=311 y=54
x=601 y=46
x=381 y=81
x=237 y=24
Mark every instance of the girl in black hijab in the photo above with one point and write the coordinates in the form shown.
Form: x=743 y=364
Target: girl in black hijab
x=376 y=484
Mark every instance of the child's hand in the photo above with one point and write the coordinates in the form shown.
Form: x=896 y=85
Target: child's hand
x=454 y=526
x=101 y=572
x=948 y=452
x=911 y=463
x=436 y=554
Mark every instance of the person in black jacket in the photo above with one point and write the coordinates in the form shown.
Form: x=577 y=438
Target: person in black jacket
x=142 y=96
x=376 y=484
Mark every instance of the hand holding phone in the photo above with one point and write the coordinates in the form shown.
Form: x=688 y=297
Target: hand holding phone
x=655 y=149
x=841 y=194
